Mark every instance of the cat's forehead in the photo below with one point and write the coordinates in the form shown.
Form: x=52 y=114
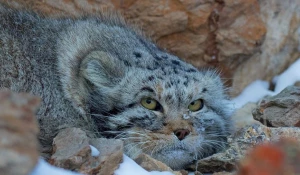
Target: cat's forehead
x=169 y=82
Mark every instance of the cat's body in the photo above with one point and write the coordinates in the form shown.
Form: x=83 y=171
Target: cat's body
x=102 y=76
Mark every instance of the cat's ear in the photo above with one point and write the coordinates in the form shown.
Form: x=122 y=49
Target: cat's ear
x=102 y=69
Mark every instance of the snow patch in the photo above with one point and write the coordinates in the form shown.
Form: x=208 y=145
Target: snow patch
x=258 y=89
x=95 y=152
x=252 y=93
x=288 y=77
x=44 y=168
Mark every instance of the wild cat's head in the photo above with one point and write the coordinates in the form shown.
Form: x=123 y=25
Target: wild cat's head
x=170 y=111
x=156 y=103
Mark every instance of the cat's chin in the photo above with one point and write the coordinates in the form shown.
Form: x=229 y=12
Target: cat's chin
x=175 y=158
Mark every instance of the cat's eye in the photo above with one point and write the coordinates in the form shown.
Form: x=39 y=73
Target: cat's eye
x=196 y=105
x=150 y=103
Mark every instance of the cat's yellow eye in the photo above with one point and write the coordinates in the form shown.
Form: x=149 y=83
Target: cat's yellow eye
x=149 y=103
x=196 y=105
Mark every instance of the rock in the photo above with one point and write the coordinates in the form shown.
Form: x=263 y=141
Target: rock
x=279 y=48
x=18 y=129
x=72 y=151
x=151 y=164
x=297 y=84
x=224 y=173
x=281 y=157
x=240 y=143
x=243 y=116
x=280 y=110
x=111 y=155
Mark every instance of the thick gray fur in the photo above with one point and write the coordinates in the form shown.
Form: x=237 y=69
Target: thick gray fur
x=92 y=73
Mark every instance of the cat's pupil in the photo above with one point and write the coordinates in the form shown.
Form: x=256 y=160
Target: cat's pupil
x=193 y=103
x=149 y=101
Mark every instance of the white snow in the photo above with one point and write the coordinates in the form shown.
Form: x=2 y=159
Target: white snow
x=44 y=168
x=95 y=151
x=252 y=93
x=129 y=167
x=288 y=77
x=258 y=89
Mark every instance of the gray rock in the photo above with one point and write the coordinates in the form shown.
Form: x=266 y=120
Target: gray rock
x=280 y=110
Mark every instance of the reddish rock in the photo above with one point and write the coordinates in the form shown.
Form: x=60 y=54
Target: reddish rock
x=111 y=155
x=281 y=110
x=224 y=173
x=72 y=151
x=151 y=164
x=281 y=157
x=279 y=48
x=18 y=129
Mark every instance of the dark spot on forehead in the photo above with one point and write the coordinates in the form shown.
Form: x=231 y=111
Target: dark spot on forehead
x=175 y=71
x=151 y=78
x=185 y=83
x=169 y=97
x=168 y=85
x=127 y=63
x=150 y=68
x=204 y=90
x=175 y=62
x=137 y=54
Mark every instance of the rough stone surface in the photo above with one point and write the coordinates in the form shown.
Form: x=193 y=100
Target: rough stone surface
x=280 y=46
x=297 y=84
x=18 y=131
x=240 y=143
x=150 y=164
x=224 y=173
x=72 y=151
x=111 y=155
x=280 y=110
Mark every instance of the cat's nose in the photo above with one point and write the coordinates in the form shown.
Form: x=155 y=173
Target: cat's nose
x=181 y=133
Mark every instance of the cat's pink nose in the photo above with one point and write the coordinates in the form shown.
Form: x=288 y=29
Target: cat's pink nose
x=181 y=133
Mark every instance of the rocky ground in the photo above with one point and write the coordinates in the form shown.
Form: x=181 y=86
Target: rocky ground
x=270 y=145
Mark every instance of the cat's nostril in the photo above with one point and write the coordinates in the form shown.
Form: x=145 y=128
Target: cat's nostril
x=181 y=133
